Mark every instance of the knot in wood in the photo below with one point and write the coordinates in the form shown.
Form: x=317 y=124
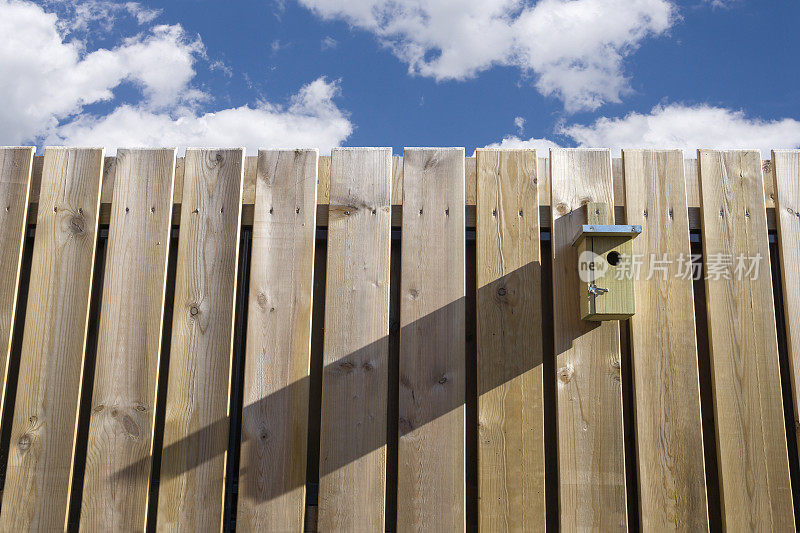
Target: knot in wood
x=565 y=374
x=77 y=224
x=193 y=310
x=502 y=291
x=25 y=442
x=562 y=208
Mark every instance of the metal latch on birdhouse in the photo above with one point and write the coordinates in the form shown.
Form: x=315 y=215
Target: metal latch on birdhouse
x=604 y=263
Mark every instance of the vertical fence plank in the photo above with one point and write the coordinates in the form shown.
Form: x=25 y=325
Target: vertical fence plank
x=751 y=441
x=40 y=460
x=431 y=491
x=16 y=165
x=272 y=472
x=129 y=343
x=355 y=375
x=669 y=435
x=786 y=168
x=196 y=428
x=591 y=456
x=509 y=331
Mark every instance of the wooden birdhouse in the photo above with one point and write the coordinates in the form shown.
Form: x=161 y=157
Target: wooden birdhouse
x=606 y=267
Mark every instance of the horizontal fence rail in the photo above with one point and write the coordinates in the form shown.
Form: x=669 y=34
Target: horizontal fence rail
x=367 y=342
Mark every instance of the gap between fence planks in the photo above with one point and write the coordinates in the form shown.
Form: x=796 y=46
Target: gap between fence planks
x=591 y=459
x=511 y=488
x=751 y=440
x=272 y=471
x=129 y=343
x=431 y=492
x=196 y=426
x=15 y=181
x=37 y=489
x=248 y=196
x=669 y=437
x=352 y=463
x=787 y=179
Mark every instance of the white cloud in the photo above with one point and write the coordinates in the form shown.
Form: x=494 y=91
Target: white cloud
x=688 y=128
x=512 y=142
x=676 y=126
x=311 y=120
x=329 y=43
x=79 y=15
x=574 y=49
x=45 y=78
x=519 y=123
x=46 y=82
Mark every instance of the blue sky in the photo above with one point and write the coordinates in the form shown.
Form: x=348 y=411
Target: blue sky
x=322 y=73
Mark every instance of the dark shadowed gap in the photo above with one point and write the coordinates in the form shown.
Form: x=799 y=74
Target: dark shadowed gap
x=471 y=384
x=315 y=378
x=549 y=391
x=706 y=388
x=629 y=427
x=87 y=381
x=786 y=383
x=237 y=380
x=392 y=407
x=12 y=375
x=163 y=379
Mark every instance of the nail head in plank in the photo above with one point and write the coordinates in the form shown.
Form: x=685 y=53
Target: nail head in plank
x=588 y=358
x=751 y=442
x=431 y=446
x=355 y=375
x=119 y=446
x=511 y=489
x=669 y=436
x=196 y=427
x=272 y=471
x=40 y=460
x=16 y=164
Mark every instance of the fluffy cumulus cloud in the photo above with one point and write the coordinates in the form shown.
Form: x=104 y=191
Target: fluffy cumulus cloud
x=312 y=120
x=49 y=77
x=573 y=49
x=677 y=126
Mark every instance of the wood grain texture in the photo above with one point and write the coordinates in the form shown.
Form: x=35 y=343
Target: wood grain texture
x=787 y=178
x=196 y=428
x=355 y=376
x=272 y=471
x=509 y=330
x=431 y=492
x=669 y=436
x=323 y=191
x=40 y=460
x=751 y=441
x=129 y=343
x=16 y=165
x=591 y=459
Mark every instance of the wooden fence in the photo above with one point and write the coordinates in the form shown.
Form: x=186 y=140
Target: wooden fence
x=364 y=342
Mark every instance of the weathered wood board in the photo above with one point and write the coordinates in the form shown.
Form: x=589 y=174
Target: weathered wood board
x=591 y=458
x=272 y=470
x=190 y=495
x=129 y=343
x=431 y=488
x=352 y=488
x=669 y=437
x=787 y=204
x=37 y=489
x=511 y=491
x=15 y=181
x=751 y=441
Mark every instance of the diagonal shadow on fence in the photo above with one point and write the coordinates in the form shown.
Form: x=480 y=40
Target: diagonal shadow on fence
x=431 y=399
